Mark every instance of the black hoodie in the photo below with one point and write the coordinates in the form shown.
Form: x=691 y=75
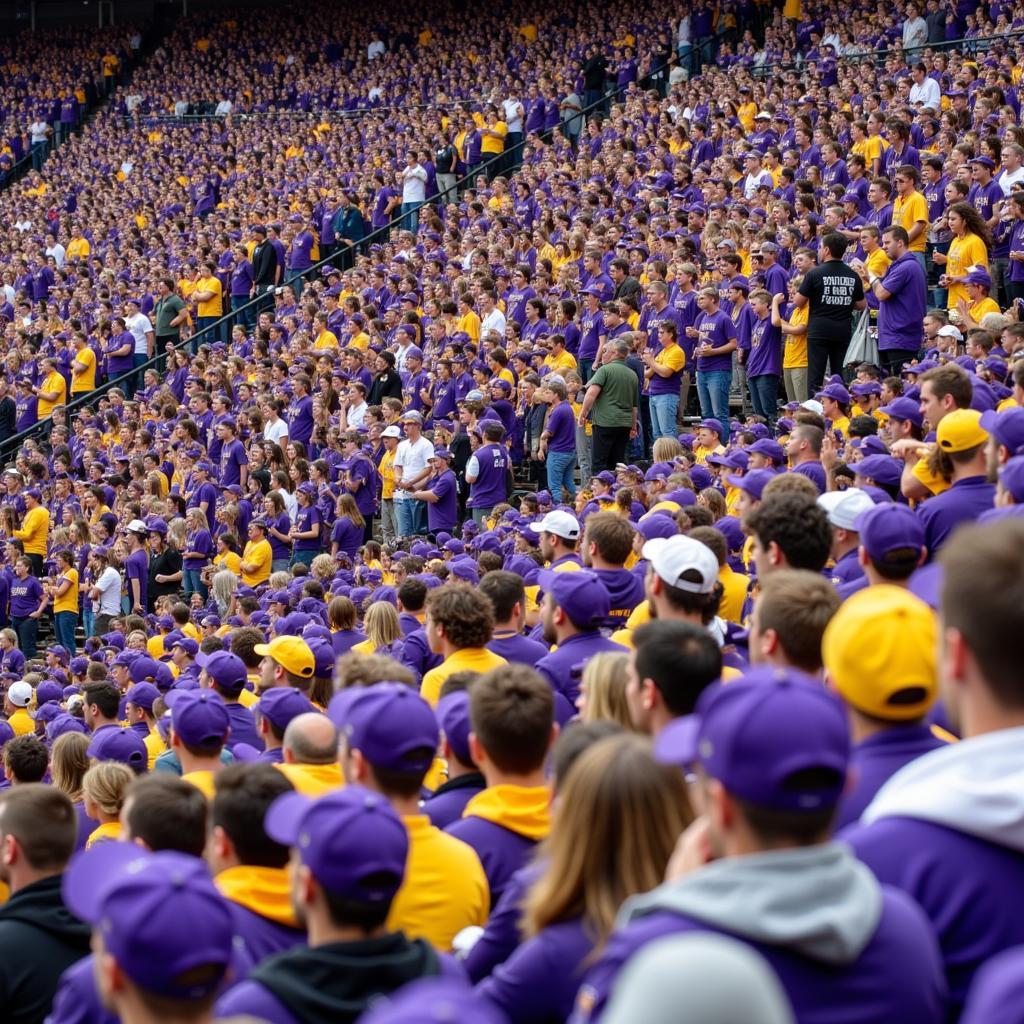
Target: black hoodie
x=334 y=983
x=39 y=940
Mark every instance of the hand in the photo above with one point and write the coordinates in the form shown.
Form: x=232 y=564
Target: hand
x=829 y=455
x=692 y=852
x=35 y=614
x=633 y=433
x=159 y=578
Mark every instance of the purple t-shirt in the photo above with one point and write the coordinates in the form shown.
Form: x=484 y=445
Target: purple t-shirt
x=136 y=567
x=900 y=316
x=715 y=329
x=765 y=358
x=232 y=458
x=443 y=514
x=561 y=425
x=25 y=596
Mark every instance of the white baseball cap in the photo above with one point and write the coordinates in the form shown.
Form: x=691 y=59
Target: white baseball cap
x=671 y=557
x=949 y=331
x=137 y=526
x=559 y=522
x=391 y=432
x=20 y=694
x=843 y=507
x=814 y=405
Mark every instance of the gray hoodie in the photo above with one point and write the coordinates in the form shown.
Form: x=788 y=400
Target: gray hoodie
x=818 y=901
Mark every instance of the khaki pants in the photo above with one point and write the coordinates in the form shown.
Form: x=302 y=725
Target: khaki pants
x=796 y=383
x=388 y=521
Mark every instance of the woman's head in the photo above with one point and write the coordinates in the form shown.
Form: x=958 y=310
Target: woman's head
x=603 y=690
x=69 y=762
x=618 y=818
x=104 y=787
x=381 y=624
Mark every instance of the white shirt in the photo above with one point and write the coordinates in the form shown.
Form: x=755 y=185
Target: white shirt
x=275 y=431
x=752 y=182
x=139 y=325
x=291 y=503
x=412 y=458
x=927 y=94
x=915 y=33
x=109 y=586
x=58 y=252
x=355 y=415
x=39 y=131
x=494 y=321
x=224 y=107
x=1009 y=180
x=513 y=115
x=414 y=184
x=375 y=49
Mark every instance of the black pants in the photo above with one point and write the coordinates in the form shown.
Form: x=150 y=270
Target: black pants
x=892 y=360
x=609 y=447
x=37 y=564
x=818 y=354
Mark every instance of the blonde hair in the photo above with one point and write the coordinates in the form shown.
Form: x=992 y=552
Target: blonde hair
x=68 y=764
x=177 y=533
x=381 y=624
x=105 y=785
x=279 y=580
x=619 y=816
x=225 y=583
x=604 y=681
x=322 y=568
x=666 y=449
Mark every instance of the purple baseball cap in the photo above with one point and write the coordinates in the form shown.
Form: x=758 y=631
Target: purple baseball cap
x=769 y=448
x=199 y=717
x=1011 y=476
x=323 y=656
x=904 y=409
x=124 y=745
x=280 y=704
x=836 y=392
x=775 y=738
x=48 y=692
x=227 y=670
x=351 y=840
x=58 y=651
x=753 y=482
x=887 y=528
x=159 y=914
x=710 y=424
x=581 y=595
x=656 y=524
x=659 y=471
x=62 y=724
x=114 y=639
x=142 y=695
x=883 y=469
x=79 y=666
x=188 y=645
x=141 y=669
x=46 y=713
x=389 y=723
x=453 y=718
x=1006 y=427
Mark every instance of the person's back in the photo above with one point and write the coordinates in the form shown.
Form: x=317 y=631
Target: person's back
x=946 y=828
x=39 y=937
x=843 y=946
x=512 y=716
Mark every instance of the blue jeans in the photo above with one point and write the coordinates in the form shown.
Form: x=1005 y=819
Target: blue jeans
x=560 y=466
x=713 y=392
x=305 y=557
x=194 y=584
x=663 y=414
x=66 y=623
x=411 y=216
x=411 y=517
x=764 y=395
x=204 y=323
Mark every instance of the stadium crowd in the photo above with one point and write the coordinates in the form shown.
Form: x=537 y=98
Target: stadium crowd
x=514 y=518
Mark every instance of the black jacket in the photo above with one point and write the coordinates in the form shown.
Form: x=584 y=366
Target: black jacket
x=387 y=384
x=39 y=940
x=334 y=983
x=264 y=263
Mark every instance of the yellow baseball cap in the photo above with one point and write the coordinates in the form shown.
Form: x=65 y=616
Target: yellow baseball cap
x=292 y=653
x=961 y=430
x=879 y=651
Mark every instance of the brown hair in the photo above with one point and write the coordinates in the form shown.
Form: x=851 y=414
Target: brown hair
x=43 y=821
x=619 y=815
x=69 y=762
x=797 y=605
x=466 y=615
x=612 y=534
x=512 y=710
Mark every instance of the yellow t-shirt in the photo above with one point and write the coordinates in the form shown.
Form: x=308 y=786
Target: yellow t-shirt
x=155 y=746
x=983 y=306
x=907 y=211
x=735 y=585
x=470 y=323
x=387 y=475
x=260 y=554
x=935 y=484
x=21 y=723
x=794 y=355
x=109 y=830
x=78 y=249
x=877 y=262
x=469 y=659
x=35 y=526
x=229 y=560
x=445 y=888
x=491 y=145
x=68 y=601
x=54 y=384
x=86 y=380
x=203 y=781
x=214 y=306
x=326 y=340
x=964 y=253
x=671 y=356
x=565 y=361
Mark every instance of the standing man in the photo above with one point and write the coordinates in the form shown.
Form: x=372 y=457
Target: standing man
x=514 y=113
x=832 y=291
x=141 y=329
x=445 y=159
x=266 y=270
x=348 y=231
x=611 y=404
x=902 y=293
x=414 y=191
x=716 y=341
x=411 y=469
x=487 y=471
x=171 y=313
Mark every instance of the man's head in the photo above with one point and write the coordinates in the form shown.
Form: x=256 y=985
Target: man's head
x=573 y=602
x=310 y=738
x=943 y=390
x=26 y=759
x=789 y=619
x=511 y=711
x=981 y=609
x=790 y=531
x=100 y=704
x=671 y=666
x=287 y=661
x=458 y=617
x=348 y=856
x=507 y=594
x=243 y=795
x=38 y=826
x=682 y=578
x=607 y=540
x=163 y=812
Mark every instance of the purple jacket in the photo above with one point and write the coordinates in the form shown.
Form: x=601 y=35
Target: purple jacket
x=448 y=801
x=502 y=852
x=518 y=648
x=501 y=935
x=875 y=760
x=563 y=667
x=260 y=937
x=844 y=948
x=540 y=979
